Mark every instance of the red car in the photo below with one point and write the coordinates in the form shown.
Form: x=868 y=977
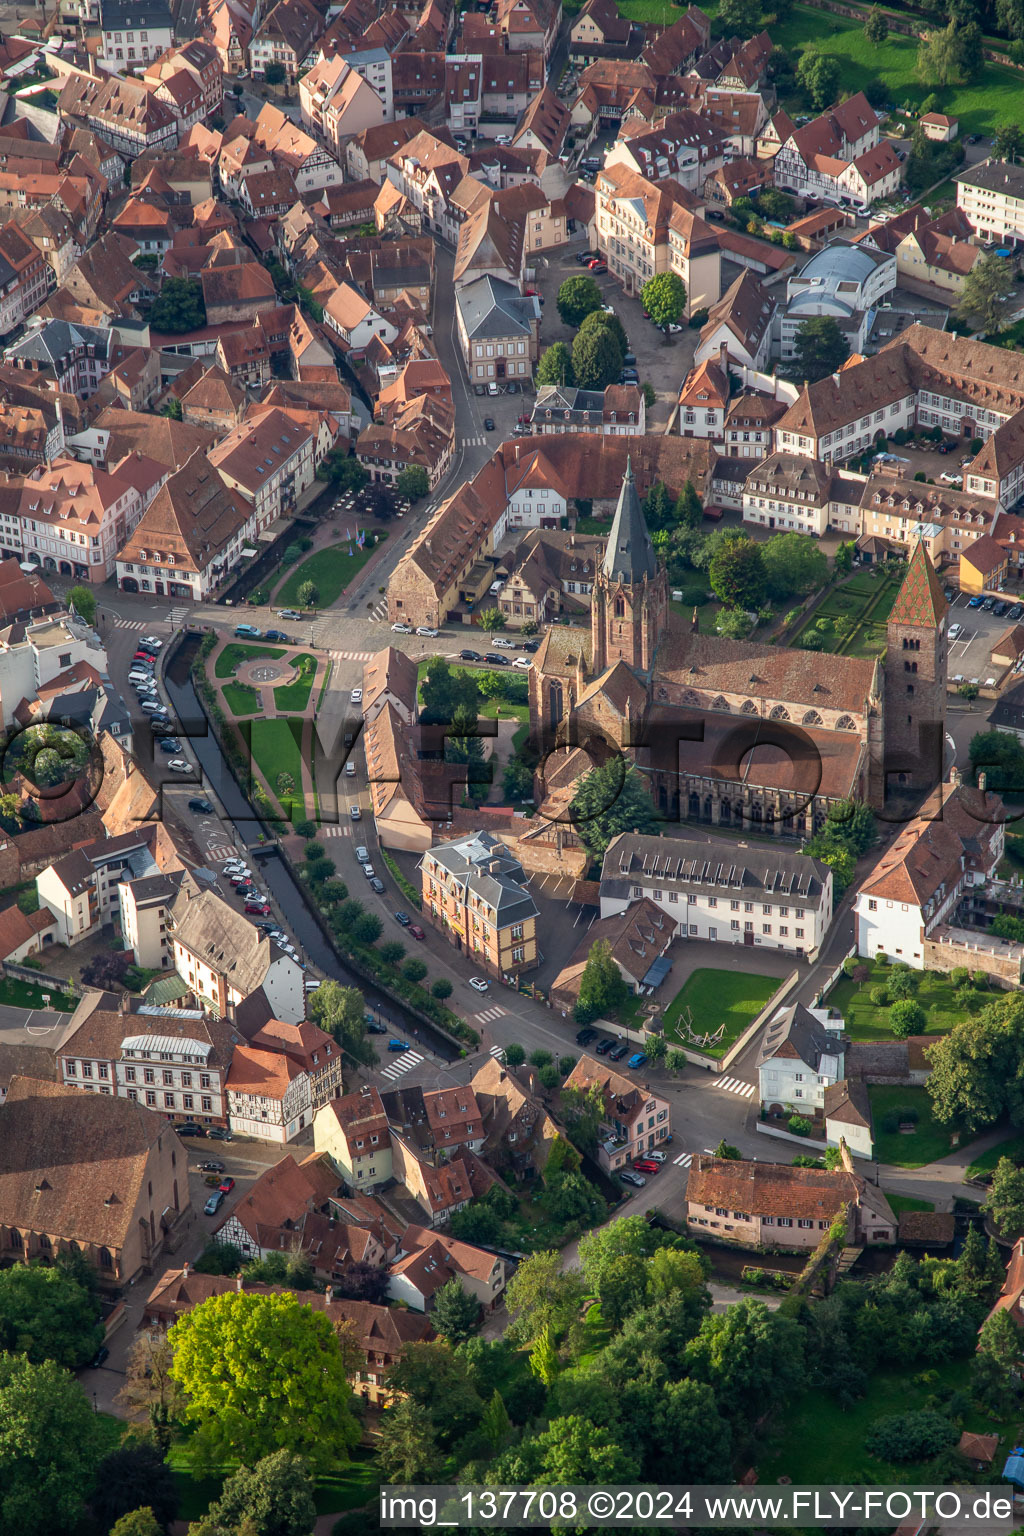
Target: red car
x=143 y=656
x=226 y=1185
x=642 y=1165
x=597 y=266
x=259 y=907
x=416 y=931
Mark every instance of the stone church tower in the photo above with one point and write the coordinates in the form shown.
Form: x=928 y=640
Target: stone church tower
x=629 y=612
x=914 y=685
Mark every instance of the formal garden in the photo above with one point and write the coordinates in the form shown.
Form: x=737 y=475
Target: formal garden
x=850 y=620
x=871 y=989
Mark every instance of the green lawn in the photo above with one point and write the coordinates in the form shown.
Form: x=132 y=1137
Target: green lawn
x=927 y=1142
x=866 y=1022
x=661 y=11
x=240 y=700
x=908 y=1203
x=986 y=1162
x=292 y=698
x=716 y=997
x=25 y=994
x=275 y=747
x=818 y=1442
x=349 y=1489
x=866 y=601
x=234 y=654
x=331 y=568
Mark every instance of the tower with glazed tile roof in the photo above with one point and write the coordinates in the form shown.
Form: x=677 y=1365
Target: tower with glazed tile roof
x=915 y=684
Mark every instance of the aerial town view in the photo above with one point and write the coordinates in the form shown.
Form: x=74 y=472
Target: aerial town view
x=512 y=687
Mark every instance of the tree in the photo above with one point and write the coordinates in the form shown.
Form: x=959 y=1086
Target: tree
x=629 y=1235
x=690 y=1438
x=178 y=307
x=407 y=1444
x=46 y=1314
x=907 y=1018
x=1008 y=143
x=737 y=572
x=658 y=507
x=367 y=928
x=496 y=1424
x=273 y=1498
x=968 y=692
x=49 y=1448
x=414 y=970
x=739 y=18
x=1000 y=1338
x=308 y=594
x=83 y=601
x=578 y=297
x=172 y=408
x=1010 y=17
x=555 y=366
x=541 y=1294
x=517 y=779
x=689 y=510
x=572 y=1450
x=818 y=75
x=341 y=1012
x=544 y=1357
x=1005 y=1201
x=748 y=1355
x=340 y=469
x=439 y=1379
x=951 y=55
x=664 y=298
x=150 y=1393
x=596 y=358
x=611 y=799
x=793 y=565
x=1000 y=756
x=133 y=1475
x=675 y=1061
x=602 y=320
x=413 y=483
x=514 y=1055
x=456 y=1313
x=263 y=1373
x=969 y=1072
x=274 y=74
x=492 y=619
x=987 y=294
x=876 y=27
x=583 y=1113
x=911 y=1436
x=360 y=1281
x=444 y=690
x=820 y=348
x=603 y=988
x=442 y=988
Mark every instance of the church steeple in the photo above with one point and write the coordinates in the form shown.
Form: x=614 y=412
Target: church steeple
x=629 y=610
x=629 y=553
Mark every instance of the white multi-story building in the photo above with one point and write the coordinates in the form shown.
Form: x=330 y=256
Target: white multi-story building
x=802 y=1054
x=991 y=195
x=270 y=461
x=720 y=892
x=134 y=34
x=224 y=959
x=82 y=889
x=844 y=282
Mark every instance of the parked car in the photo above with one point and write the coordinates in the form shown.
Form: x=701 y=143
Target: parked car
x=416 y=932
x=638 y=1060
x=180 y=764
x=523 y=663
x=404 y=919
x=478 y=389
x=227 y=1184
x=289 y=613
x=999 y=609
x=470 y=656
x=350 y=769
x=356 y=696
x=258 y=908
x=151 y=643
x=488 y=423
x=103 y=1353
x=1016 y=611
x=377 y=885
x=955 y=631
x=201 y=805
x=657 y=1157
x=373 y=1028
x=276 y=634
x=427 y=632
x=975 y=602
x=152 y=707
x=604 y=1045
x=169 y=743
x=531 y=646
x=987 y=606
x=478 y=983
x=220 y=1133
x=190 y=1129
x=617 y=1052
x=369 y=871
x=496 y=659
x=397 y=1046
x=629 y=1177
x=247 y=632
x=503 y=643
x=584 y=1036
x=586 y=257
x=401 y=629
x=644 y=1165
x=214 y=1203
x=212 y=1166
x=363 y=854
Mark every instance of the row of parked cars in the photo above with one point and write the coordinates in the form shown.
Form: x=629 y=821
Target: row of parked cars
x=614 y=1049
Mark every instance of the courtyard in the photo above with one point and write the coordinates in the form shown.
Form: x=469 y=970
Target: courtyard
x=713 y=1008
x=867 y=1019
x=851 y=619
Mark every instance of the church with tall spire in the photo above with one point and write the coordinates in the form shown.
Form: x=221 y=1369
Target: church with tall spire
x=736 y=734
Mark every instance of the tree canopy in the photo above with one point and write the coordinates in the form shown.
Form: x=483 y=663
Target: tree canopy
x=737 y=572
x=555 y=366
x=664 y=297
x=341 y=1012
x=263 y=1373
x=603 y=988
x=818 y=75
x=820 y=348
x=49 y=1448
x=46 y=1314
x=988 y=294
x=577 y=298
x=178 y=307
x=596 y=357
x=612 y=798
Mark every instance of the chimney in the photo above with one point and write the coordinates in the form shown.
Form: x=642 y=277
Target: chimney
x=125 y=1004
x=956 y=778
x=723 y=357
x=835 y=380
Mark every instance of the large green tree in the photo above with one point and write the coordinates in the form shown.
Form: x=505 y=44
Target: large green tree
x=603 y=989
x=272 y=1498
x=1005 y=1201
x=664 y=298
x=134 y=1475
x=818 y=76
x=456 y=1314
x=574 y=1451
x=577 y=298
x=748 y=1355
x=263 y=1373
x=737 y=572
x=444 y=689
x=438 y=1379
x=178 y=307
x=738 y=18
x=413 y=482
x=83 y=601
x=820 y=349
x=951 y=55
x=1010 y=18
x=341 y=1012
x=876 y=27
x=988 y=294
x=793 y=565
x=49 y=1448
x=555 y=366
x=540 y=1294
x=970 y=1068
x=611 y=799
x=596 y=358
x=46 y=1314
x=407 y=1447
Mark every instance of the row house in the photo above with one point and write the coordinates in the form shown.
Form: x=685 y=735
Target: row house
x=634 y=1120
x=285 y=37
x=295 y=152
x=337 y=103
x=685 y=146
x=498 y=330
x=422 y=433
x=838 y=155
x=509 y=83
x=617 y=411
x=73 y=518
x=53 y=235
x=270 y=461
x=122 y=111
x=796 y=495
x=427 y=171
x=529 y=25
x=367 y=153
x=773 y=1205
x=23 y=277
x=947 y=519
x=782 y=901
x=547 y=574
x=224 y=959
x=463 y=91
x=742 y=322
x=201 y=60
x=133 y=34
x=77 y=198
x=269 y=1096
x=285 y=1211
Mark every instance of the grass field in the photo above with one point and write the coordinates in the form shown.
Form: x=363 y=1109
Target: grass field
x=866 y=602
x=240 y=700
x=908 y=1203
x=924 y=1144
x=234 y=654
x=864 y=1021
x=349 y=1489
x=716 y=997
x=275 y=748
x=819 y=1442
x=331 y=569
x=25 y=994
x=292 y=698
x=986 y=1162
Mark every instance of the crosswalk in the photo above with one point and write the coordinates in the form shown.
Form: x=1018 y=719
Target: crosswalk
x=177 y=617
x=498 y=1052
x=683 y=1160
x=489 y=1014
x=135 y=624
x=734 y=1085
x=380 y=612
x=351 y=655
x=474 y=442
x=333 y=829
x=221 y=854
x=404 y=1063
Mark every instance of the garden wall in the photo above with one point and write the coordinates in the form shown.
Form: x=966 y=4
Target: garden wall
x=808 y=1142
x=999 y=958
x=63 y=984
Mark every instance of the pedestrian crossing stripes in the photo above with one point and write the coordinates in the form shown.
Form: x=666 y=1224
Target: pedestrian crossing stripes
x=220 y=854
x=489 y=1014
x=683 y=1160
x=498 y=1051
x=733 y=1085
x=405 y=1063
x=130 y=623
x=177 y=617
x=333 y=829
x=474 y=442
x=380 y=613
x=352 y=655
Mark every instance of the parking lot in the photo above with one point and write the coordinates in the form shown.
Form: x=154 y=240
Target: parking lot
x=970 y=652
